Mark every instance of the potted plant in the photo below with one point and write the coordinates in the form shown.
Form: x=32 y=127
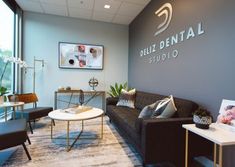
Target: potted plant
x=115 y=90
x=202 y=118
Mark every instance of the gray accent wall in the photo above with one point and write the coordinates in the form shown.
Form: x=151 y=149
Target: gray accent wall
x=203 y=71
x=41 y=34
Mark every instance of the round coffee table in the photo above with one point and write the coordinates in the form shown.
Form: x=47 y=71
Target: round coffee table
x=61 y=115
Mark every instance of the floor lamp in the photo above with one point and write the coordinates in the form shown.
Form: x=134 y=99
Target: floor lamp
x=34 y=69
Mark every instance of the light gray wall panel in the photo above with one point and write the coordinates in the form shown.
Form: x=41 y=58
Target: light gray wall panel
x=41 y=36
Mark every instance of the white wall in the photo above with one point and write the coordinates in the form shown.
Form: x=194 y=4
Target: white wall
x=41 y=34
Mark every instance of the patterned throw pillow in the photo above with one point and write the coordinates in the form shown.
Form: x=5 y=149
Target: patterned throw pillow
x=166 y=108
x=148 y=110
x=127 y=98
x=160 y=107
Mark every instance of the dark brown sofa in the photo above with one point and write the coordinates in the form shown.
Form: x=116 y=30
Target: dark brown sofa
x=157 y=140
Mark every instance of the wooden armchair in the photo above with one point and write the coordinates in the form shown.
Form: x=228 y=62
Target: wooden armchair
x=31 y=114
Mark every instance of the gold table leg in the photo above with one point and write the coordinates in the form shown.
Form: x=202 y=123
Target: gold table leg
x=5 y=110
x=14 y=113
x=215 y=152
x=220 y=156
x=51 y=128
x=68 y=147
x=186 y=148
x=102 y=126
x=22 y=110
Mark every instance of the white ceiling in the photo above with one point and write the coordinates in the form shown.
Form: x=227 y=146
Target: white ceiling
x=120 y=12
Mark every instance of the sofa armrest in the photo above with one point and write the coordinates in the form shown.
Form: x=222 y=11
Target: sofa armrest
x=112 y=100
x=163 y=140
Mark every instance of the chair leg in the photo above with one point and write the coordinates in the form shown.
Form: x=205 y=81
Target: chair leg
x=26 y=151
x=30 y=127
x=28 y=140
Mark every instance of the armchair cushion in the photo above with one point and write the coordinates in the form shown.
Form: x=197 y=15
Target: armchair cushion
x=34 y=113
x=12 y=133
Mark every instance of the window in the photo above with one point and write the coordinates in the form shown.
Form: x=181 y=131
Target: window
x=6 y=43
x=10 y=45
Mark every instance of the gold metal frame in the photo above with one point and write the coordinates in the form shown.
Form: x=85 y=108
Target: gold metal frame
x=69 y=147
x=215 y=152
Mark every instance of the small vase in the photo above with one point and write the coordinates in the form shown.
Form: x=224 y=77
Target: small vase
x=202 y=122
x=1 y=99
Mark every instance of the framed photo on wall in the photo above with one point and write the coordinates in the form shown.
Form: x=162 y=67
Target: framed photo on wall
x=81 y=56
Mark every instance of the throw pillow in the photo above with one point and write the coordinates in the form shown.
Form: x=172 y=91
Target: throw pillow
x=166 y=108
x=127 y=98
x=168 y=111
x=160 y=107
x=173 y=102
x=148 y=110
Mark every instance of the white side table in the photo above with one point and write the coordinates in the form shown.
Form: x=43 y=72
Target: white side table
x=214 y=134
x=14 y=105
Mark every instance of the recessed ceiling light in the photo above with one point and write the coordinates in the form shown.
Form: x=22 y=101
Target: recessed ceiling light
x=107 y=6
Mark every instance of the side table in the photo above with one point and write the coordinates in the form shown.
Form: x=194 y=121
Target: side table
x=214 y=134
x=14 y=105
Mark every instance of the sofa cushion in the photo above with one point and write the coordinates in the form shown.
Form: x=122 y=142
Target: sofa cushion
x=126 y=118
x=127 y=98
x=184 y=107
x=143 y=99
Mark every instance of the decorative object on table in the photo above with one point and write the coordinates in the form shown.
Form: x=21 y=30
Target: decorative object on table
x=115 y=90
x=68 y=88
x=202 y=118
x=93 y=83
x=127 y=98
x=77 y=110
x=80 y=56
x=34 y=70
x=60 y=88
x=7 y=60
x=226 y=118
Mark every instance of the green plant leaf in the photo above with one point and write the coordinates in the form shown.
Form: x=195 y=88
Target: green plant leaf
x=110 y=94
x=125 y=86
x=120 y=89
x=3 y=90
x=113 y=91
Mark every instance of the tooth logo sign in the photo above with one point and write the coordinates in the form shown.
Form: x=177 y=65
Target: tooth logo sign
x=165 y=10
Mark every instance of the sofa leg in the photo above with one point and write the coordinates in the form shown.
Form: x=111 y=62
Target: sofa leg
x=26 y=151
x=28 y=140
x=30 y=127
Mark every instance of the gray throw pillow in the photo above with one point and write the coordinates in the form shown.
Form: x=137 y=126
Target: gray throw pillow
x=148 y=110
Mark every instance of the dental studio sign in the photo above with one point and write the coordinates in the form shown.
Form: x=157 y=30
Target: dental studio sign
x=153 y=50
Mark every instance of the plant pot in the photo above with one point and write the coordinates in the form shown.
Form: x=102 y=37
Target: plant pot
x=202 y=122
x=1 y=99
